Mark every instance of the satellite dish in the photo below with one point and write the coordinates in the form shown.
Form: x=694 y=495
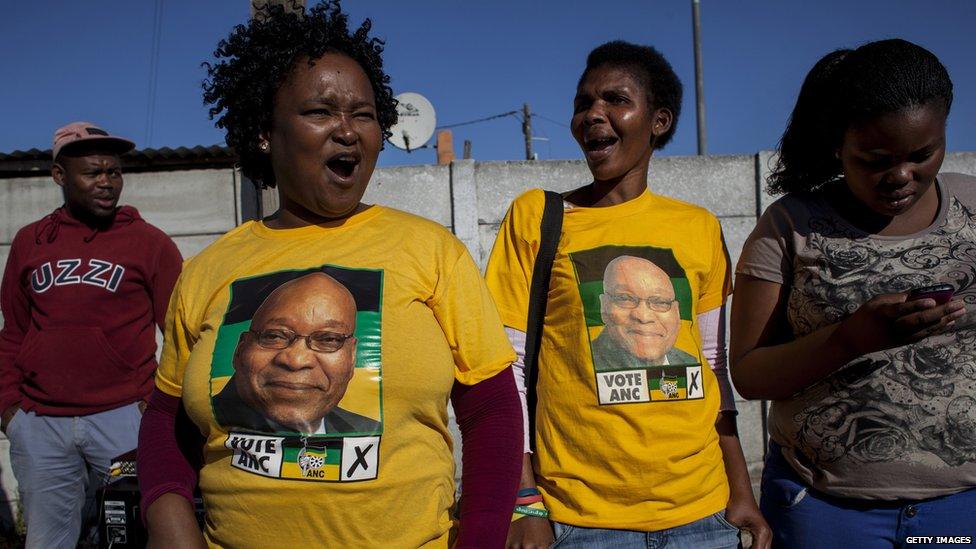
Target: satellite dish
x=415 y=122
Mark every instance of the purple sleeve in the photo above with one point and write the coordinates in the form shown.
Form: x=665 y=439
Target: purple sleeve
x=167 y=460
x=490 y=417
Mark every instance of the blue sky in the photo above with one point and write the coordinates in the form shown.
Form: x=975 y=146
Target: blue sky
x=65 y=60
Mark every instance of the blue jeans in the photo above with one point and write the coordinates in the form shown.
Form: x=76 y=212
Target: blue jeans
x=60 y=462
x=711 y=532
x=802 y=518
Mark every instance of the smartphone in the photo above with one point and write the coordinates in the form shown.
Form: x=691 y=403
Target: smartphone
x=941 y=293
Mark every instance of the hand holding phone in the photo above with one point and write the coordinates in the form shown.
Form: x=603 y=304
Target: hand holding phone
x=889 y=320
x=940 y=293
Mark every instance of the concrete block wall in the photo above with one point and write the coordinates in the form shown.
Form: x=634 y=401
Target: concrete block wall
x=194 y=207
x=468 y=197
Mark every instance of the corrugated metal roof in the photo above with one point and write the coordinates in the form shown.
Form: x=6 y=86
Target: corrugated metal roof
x=24 y=163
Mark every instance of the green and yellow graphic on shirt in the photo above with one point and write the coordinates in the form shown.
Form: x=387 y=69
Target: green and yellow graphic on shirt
x=319 y=459
x=296 y=374
x=637 y=306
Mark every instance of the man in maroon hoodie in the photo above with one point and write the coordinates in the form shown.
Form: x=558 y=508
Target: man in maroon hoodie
x=83 y=291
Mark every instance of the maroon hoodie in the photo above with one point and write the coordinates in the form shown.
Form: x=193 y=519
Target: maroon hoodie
x=80 y=309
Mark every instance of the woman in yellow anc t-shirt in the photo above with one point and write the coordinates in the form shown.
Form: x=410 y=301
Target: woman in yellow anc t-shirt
x=635 y=438
x=316 y=349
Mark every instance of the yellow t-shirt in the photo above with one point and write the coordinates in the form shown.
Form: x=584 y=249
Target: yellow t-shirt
x=376 y=470
x=625 y=435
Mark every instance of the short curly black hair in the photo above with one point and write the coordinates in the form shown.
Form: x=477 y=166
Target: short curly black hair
x=849 y=87
x=251 y=64
x=650 y=68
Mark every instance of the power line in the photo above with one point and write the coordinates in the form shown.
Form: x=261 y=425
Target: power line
x=524 y=116
x=485 y=119
x=547 y=119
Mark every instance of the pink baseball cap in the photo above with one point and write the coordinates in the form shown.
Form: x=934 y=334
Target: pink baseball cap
x=76 y=132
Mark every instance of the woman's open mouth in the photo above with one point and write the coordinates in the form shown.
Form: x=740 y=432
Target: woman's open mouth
x=343 y=166
x=598 y=148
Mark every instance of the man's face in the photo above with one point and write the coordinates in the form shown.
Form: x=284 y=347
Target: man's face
x=297 y=386
x=91 y=184
x=639 y=309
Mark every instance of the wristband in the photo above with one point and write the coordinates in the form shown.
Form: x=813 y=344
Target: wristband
x=525 y=492
x=537 y=509
x=528 y=500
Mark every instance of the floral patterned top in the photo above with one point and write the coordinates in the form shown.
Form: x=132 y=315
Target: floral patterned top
x=894 y=424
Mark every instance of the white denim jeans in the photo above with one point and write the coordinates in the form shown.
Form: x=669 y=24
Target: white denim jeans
x=60 y=462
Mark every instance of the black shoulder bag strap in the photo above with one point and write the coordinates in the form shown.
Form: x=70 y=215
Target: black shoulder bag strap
x=550 y=228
